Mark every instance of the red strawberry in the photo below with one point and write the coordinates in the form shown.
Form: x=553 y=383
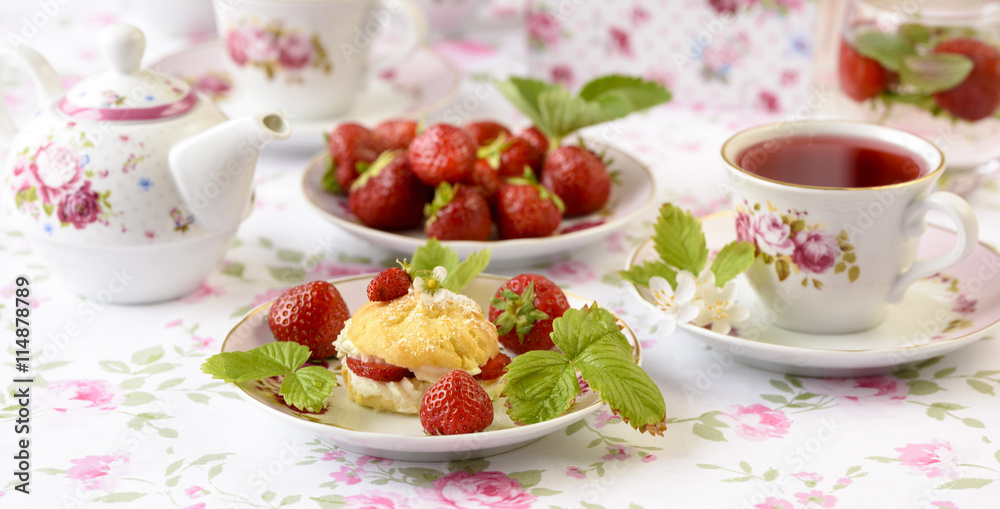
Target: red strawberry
x=396 y=134
x=454 y=405
x=509 y=156
x=978 y=96
x=353 y=148
x=485 y=131
x=579 y=177
x=377 y=370
x=458 y=213
x=389 y=196
x=389 y=284
x=523 y=310
x=484 y=180
x=861 y=78
x=310 y=314
x=525 y=209
x=535 y=137
x=442 y=153
x=493 y=367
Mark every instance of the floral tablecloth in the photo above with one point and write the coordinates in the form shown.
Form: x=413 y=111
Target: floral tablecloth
x=120 y=413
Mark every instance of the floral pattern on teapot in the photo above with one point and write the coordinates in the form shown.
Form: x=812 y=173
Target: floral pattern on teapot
x=274 y=49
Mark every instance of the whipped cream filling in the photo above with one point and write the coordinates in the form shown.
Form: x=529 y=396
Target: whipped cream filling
x=408 y=392
x=345 y=348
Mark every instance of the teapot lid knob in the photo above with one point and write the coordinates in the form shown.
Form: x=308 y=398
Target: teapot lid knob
x=123 y=46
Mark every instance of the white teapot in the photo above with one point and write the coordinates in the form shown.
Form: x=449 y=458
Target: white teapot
x=132 y=184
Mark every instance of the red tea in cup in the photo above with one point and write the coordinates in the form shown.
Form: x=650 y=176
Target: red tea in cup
x=832 y=161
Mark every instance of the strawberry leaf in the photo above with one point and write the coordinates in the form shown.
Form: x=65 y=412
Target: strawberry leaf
x=577 y=329
x=889 y=50
x=523 y=94
x=678 y=239
x=640 y=274
x=637 y=93
x=243 y=366
x=434 y=254
x=624 y=386
x=935 y=72
x=467 y=270
x=733 y=259
x=460 y=273
x=541 y=385
x=308 y=388
x=562 y=113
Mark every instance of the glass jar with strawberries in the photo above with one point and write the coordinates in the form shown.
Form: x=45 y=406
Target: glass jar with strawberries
x=931 y=67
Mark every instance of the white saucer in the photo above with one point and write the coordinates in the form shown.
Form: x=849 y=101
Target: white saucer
x=397 y=436
x=632 y=196
x=422 y=84
x=910 y=334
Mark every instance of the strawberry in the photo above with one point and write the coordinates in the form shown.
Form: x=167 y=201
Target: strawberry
x=377 y=370
x=523 y=309
x=493 y=368
x=389 y=196
x=978 y=96
x=353 y=147
x=579 y=178
x=535 y=137
x=485 y=131
x=515 y=155
x=310 y=314
x=442 y=153
x=525 y=209
x=484 y=180
x=454 y=405
x=861 y=78
x=396 y=134
x=390 y=284
x=458 y=213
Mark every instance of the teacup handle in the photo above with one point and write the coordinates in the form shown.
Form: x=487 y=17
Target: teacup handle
x=913 y=223
x=416 y=33
x=47 y=83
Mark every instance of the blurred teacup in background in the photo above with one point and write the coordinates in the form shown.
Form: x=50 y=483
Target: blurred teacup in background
x=310 y=58
x=178 y=18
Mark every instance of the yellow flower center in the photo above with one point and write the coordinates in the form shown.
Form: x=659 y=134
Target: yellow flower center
x=431 y=284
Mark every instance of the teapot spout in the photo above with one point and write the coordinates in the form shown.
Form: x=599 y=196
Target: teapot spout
x=214 y=169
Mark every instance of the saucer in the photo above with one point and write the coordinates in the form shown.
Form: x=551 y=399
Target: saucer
x=422 y=84
x=391 y=435
x=935 y=317
x=632 y=195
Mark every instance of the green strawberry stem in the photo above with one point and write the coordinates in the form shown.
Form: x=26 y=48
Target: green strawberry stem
x=519 y=312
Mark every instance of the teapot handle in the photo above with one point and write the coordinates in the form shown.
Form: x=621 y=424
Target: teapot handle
x=47 y=83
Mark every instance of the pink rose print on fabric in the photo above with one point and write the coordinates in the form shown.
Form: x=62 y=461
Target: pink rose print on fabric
x=378 y=500
x=808 y=476
x=639 y=15
x=867 y=396
x=347 y=475
x=203 y=292
x=817 y=498
x=603 y=418
x=769 y=101
x=99 y=472
x=576 y=472
x=201 y=343
x=574 y=271
x=72 y=395
x=562 y=74
x=774 y=503
x=543 y=29
x=236 y=45
x=789 y=77
x=267 y=296
x=80 y=208
x=648 y=458
x=944 y=504
x=815 y=251
x=462 y=490
x=620 y=42
x=194 y=491
x=846 y=481
x=757 y=422
x=934 y=459
x=771 y=234
x=294 y=51
x=199 y=505
x=618 y=452
x=330 y=456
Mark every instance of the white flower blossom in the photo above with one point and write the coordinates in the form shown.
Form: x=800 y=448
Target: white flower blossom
x=706 y=277
x=719 y=308
x=431 y=287
x=675 y=304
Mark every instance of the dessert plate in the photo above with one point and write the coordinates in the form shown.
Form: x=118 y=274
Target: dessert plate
x=938 y=315
x=633 y=195
x=422 y=84
x=397 y=436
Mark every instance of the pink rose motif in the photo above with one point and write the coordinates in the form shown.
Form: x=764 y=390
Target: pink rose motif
x=576 y=472
x=639 y=15
x=236 y=44
x=193 y=491
x=267 y=296
x=330 y=456
x=98 y=472
x=199 y=505
x=744 y=225
x=294 y=51
x=543 y=28
x=935 y=459
x=846 y=481
x=771 y=235
x=617 y=452
x=944 y=504
x=347 y=475
x=73 y=395
x=56 y=171
x=562 y=74
x=774 y=503
x=721 y=57
x=816 y=497
x=789 y=77
x=648 y=458
x=80 y=208
x=815 y=251
x=462 y=490
x=203 y=292
x=808 y=476
x=964 y=305
x=260 y=45
x=214 y=84
x=620 y=41
x=573 y=270
x=202 y=342
x=768 y=101
x=377 y=500
x=757 y=422
x=603 y=418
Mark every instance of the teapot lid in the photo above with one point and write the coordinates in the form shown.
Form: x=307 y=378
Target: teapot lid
x=125 y=92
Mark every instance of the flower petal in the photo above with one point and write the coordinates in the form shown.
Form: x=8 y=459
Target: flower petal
x=686 y=288
x=687 y=313
x=440 y=273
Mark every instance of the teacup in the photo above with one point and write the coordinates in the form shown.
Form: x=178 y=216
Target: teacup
x=309 y=58
x=829 y=259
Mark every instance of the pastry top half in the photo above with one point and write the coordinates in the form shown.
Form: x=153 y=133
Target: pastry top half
x=427 y=338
